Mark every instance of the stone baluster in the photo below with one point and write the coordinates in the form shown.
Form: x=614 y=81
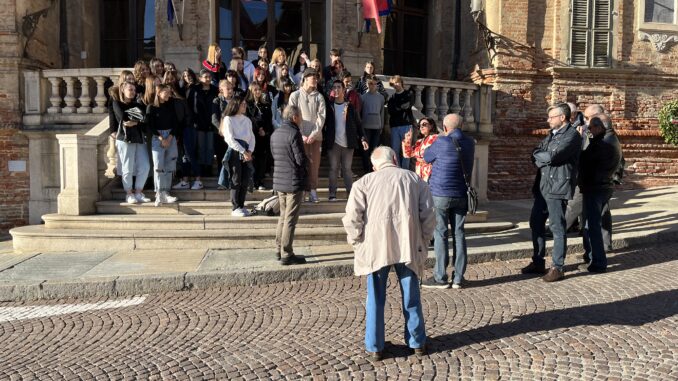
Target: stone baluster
x=417 y=98
x=468 y=107
x=455 y=107
x=85 y=98
x=69 y=99
x=443 y=104
x=55 y=98
x=100 y=98
x=431 y=102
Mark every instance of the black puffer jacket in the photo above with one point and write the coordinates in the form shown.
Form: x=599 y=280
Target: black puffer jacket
x=289 y=159
x=599 y=162
x=557 y=158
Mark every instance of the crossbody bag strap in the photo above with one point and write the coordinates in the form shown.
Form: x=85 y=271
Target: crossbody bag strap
x=461 y=159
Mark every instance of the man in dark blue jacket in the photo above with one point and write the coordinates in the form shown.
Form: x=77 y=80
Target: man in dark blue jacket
x=557 y=158
x=290 y=179
x=448 y=154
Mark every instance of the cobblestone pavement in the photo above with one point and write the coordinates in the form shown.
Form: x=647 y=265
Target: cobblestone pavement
x=618 y=325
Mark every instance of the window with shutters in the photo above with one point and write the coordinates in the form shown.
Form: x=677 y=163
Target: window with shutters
x=659 y=15
x=590 y=33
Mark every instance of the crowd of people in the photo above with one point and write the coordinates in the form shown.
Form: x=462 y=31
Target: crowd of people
x=259 y=118
x=391 y=214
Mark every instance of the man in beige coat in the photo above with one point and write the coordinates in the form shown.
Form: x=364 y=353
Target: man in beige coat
x=389 y=221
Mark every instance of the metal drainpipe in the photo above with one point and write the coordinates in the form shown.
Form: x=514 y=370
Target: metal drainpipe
x=457 y=39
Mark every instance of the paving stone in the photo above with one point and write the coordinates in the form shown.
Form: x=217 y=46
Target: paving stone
x=501 y=325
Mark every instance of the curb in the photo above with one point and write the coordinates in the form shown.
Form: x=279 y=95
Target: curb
x=129 y=285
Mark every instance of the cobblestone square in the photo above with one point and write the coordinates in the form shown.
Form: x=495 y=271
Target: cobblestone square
x=619 y=325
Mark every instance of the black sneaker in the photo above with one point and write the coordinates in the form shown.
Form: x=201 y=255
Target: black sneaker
x=596 y=269
x=432 y=283
x=292 y=260
x=534 y=268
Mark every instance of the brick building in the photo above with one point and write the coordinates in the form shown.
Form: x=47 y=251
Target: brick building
x=524 y=54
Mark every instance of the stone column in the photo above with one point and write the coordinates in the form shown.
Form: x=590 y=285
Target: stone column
x=69 y=99
x=100 y=98
x=78 y=169
x=443 y=104
x=431 y=102
x=55 y=98
x=455 y=107
x=85 y=98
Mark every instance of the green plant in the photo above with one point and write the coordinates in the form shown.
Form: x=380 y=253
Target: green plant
x=668 y=122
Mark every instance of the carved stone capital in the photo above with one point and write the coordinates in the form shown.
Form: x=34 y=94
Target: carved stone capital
x=660 y=41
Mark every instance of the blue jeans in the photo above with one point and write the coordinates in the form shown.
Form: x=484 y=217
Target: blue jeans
x=554 y=210
x=450 y=211
x=415 y=332
x=164 y=162
x=373 y=139
x=397 y=136
x=594 y=247
x=189 y=163
x=206 y=148
x=134 y=162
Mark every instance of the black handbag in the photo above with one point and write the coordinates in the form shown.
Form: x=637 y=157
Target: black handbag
x=471 y=193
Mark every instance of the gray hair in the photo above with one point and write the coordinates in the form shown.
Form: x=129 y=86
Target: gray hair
x=452 y=121
x=382 y=155
x=290 y=112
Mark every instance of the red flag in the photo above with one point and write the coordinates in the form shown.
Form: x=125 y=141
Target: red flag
x=371 y=11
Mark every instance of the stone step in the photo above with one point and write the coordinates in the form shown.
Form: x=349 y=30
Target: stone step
x=211 y=182
x=43 y=239
x=181 y=222
x=219 y=195
x=202 y=222
x=221 y=208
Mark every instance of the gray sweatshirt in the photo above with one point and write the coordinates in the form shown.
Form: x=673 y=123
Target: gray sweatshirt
x=373 y=111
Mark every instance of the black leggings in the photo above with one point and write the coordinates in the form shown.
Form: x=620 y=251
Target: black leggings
x=241 y=173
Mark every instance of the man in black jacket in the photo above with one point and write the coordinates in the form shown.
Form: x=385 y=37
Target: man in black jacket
x=343 y=133
x=290 y=180
x=597 y=167
x=556 y=157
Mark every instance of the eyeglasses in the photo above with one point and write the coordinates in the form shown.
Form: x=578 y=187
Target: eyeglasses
x=424 y=124
x=554 y=116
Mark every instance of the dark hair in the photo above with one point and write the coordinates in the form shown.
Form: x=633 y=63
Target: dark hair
x=205 y=71
x=335 y=52
x=432 y=124
x=345 y=74
x=339 y=81
x=233 y=106
x=565 y=109
x=231 y=73
x=188 y=71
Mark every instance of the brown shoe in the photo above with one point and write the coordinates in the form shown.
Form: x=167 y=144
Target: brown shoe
x=375 y=356
x=420 y=351
x=553 y=275
x=533 y=268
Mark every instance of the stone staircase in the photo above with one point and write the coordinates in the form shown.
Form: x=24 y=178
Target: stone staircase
x=200 y=220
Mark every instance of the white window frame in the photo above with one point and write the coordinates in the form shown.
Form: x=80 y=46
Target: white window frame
x=655 y=26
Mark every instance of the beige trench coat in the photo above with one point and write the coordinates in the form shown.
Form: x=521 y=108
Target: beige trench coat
x=389 y=219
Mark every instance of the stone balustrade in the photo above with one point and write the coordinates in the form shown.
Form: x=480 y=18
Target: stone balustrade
x=436 y=98
x=66 y=96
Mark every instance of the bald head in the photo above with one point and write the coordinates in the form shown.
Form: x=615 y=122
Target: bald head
x=605 y=119
x=382 y=156
x=451 y=122
x=592 y=110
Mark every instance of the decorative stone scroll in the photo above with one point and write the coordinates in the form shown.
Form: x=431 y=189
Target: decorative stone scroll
x=660 y=41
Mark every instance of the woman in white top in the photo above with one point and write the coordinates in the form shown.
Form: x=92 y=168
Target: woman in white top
x=237 y=131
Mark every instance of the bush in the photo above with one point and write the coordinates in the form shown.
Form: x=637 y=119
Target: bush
x=668 y=122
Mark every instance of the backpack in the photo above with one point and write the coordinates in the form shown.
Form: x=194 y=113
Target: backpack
x=269 y=206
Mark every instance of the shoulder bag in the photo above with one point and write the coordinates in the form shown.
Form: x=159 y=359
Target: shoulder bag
x=471 y=193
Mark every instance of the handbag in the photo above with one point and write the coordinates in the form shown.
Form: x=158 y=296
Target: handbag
x=471 y=193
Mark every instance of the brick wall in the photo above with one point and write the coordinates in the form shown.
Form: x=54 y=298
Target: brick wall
x=530 y=73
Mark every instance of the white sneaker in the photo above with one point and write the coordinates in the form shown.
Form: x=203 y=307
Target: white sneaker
x=456 y=286
x=238 y=213
x=197 y=185
x=159 y=198
x=141 y=197
x=169 y=199
x=314 y=196
x=182 y=185
x=246 y=212
x=131 y=199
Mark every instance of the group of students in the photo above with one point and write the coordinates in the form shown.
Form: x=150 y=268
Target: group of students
x=230 y=111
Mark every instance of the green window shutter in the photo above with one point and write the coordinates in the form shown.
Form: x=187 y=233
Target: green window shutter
x=602 y=33
x=590 y=33
x=579 y=33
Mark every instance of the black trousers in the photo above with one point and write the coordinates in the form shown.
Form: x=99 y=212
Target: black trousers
x=241 y=173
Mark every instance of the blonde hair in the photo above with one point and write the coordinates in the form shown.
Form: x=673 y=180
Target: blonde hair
x=137 y=71
x=396 y=79
x=277 y=53
x=121 y=90
x=212 y=53
x=160 y=89
x=149 y=90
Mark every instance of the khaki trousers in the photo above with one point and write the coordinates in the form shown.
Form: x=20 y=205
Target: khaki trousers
x=290 y=205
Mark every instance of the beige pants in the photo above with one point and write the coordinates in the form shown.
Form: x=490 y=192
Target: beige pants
x=290 y=205
x=313 y=153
